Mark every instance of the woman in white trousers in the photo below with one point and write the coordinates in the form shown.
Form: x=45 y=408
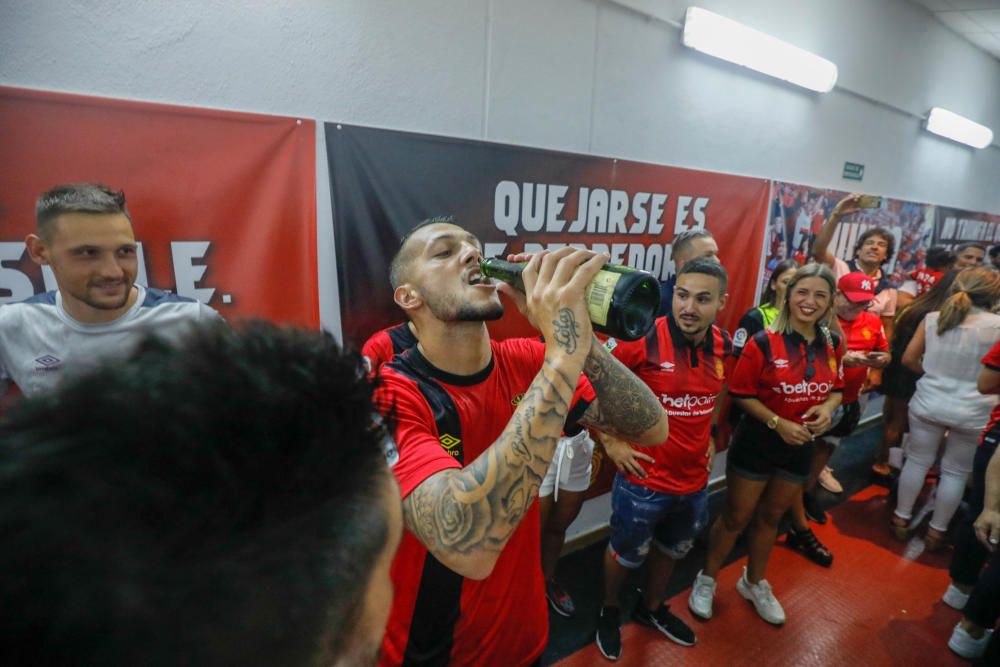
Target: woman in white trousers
x=947 y=349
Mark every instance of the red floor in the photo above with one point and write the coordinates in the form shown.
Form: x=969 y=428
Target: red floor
x=873 y=607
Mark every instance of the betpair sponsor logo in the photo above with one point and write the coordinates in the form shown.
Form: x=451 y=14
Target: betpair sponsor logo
x=804 y=388
x=687 y=402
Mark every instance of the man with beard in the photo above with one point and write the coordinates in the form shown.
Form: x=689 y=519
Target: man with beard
x=477 y=422
x=84 y=234
x=659 y=500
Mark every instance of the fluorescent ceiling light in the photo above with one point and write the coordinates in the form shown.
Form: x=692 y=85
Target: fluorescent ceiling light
x=724 y=38
x=958 y=128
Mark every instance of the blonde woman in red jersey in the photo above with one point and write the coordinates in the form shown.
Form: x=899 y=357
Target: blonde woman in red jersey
x=788 y=381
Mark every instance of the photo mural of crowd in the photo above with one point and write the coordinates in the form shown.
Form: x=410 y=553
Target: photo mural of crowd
x=798 y=211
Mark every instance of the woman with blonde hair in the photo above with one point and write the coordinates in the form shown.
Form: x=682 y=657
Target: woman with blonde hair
x=788 y=384
x=946 y=349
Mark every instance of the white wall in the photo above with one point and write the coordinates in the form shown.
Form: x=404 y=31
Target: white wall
x=586 y=76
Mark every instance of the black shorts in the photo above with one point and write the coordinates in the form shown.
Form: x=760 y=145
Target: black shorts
x=758 y=453
x=898 y=381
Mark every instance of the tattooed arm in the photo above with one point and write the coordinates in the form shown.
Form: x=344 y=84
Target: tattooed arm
x=625 y=406
x=465 y=516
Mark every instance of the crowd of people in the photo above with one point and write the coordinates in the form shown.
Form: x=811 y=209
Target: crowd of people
x=174 y=490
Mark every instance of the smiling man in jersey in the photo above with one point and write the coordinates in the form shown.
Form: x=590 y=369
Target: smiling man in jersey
x=659 y=499
x=84 y=234
x=477 y=423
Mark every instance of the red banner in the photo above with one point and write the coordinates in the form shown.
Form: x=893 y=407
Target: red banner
x=223 y=203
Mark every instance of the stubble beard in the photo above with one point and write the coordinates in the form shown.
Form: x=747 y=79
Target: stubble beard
x=448 y=309
x=105 y=305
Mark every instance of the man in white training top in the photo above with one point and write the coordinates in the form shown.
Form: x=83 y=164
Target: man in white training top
x=84 y=234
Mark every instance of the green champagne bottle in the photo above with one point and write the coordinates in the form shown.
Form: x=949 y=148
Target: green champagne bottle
x=622 y=301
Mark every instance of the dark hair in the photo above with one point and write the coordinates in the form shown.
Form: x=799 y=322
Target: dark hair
x=939 y=258
x=221 y=503
x=878 y=231
x=769 y=292
x=908 y=321
x=994 y=251
x=77 y=198
x=684 y=239
x=969 y=244
x=398 y=265
x=708 y=267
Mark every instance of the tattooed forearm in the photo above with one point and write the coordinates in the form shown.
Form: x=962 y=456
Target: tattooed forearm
x=472 y=512
x=566 y=330
x=624 y=405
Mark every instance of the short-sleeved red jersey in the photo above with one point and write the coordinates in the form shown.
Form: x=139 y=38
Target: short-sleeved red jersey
x=687 y=379
x=992 y=362
x=446 y=421
x=863 y=334
x=773 y=369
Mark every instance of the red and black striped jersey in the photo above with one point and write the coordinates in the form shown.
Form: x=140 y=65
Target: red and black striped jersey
x=445 y=421
x=687 y=379
x=788 y=374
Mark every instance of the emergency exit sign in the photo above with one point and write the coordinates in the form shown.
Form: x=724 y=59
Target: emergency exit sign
x=854 y=171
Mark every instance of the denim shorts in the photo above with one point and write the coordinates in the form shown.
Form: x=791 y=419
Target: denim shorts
x=640 y=516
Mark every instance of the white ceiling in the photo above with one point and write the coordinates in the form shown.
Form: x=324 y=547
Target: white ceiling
x=976 y=20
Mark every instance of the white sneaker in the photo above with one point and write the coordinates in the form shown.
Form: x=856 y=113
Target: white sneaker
x=966 y=645
x=702 y=595
x=954 y=597
x=828 y=481
x=763 y=599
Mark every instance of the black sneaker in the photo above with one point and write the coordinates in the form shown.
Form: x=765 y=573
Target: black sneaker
x=813 y=510
x=609 y=636
x=806 y=542
x=559 y=599
x=661 y=619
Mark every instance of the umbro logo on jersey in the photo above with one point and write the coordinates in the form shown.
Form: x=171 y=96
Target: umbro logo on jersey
x=47 y=363
x=667 y=366
x=450 y=443
x=781 y=363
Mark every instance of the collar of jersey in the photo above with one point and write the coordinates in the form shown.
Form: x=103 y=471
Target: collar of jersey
x=680 y=340
x=420 y=362
x=795 y=338
x=102 y=326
